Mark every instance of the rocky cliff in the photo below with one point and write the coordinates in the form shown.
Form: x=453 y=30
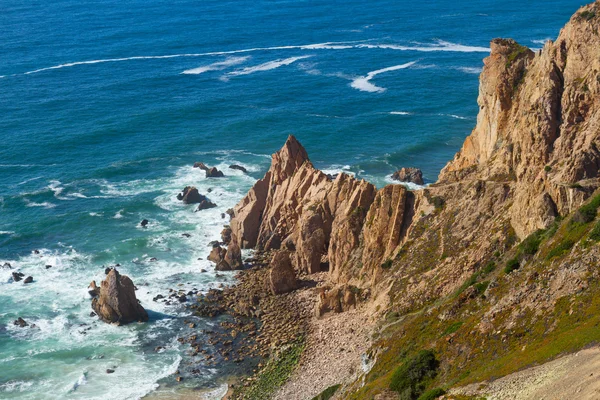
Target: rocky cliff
x=492 y=266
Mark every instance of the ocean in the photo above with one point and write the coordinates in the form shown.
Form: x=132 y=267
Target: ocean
x=107 y=104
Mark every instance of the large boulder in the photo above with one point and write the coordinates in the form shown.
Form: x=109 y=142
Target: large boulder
x=190 y=195
x=282 y=277
x=117 y=302
x=205 y=205
x=239 y=168
x=412 y=175
x=233 y=256
x=217 y=255
x=336 y=300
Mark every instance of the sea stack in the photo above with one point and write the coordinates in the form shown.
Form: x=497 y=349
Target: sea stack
x=116 y=302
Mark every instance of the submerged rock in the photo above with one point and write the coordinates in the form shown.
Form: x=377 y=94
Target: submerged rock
x=29 y=279
x=20 y=322
x=239 y=168
x=144 y=223
x=413 y=175
x=117 y=302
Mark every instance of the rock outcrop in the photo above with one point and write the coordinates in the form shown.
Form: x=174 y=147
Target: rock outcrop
x=117 y=302
x=412 y=175
x=190 y=195
x=539 y=124
x=214 y=173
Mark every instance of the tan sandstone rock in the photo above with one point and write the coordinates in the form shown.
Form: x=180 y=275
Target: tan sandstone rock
x=117 y=302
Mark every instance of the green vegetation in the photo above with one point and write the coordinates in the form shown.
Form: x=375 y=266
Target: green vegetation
x=517 y=51
x=489 y=267
x=412 y=377
x=275 y=373
x=327 y=393
x=438 y=202
x=481 y=286
x=432 y=394
x=595 y=233
x=587 y=212
x=586 y=15
x=512 y=265
x=547 y=168
x=452 y=328
x=531 y=244
x=387 y=264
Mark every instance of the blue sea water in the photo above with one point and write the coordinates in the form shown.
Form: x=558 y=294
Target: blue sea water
x=107 y=104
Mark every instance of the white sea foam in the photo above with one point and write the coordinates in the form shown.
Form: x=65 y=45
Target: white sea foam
x=540 y=41
x=400 y=113
x=363 y=82
x=45 y=204
x=217 y=66
x=440 y=45
x=119 y=214
x=469 y=70
x=267 y=66
x=454 y=116
x=7 y=232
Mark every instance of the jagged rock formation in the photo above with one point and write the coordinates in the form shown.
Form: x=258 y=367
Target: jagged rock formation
x=116 y=302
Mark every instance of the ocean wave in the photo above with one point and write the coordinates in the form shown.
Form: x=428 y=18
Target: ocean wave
x=540 y=41
x=440 y=45
x=400 y=113
x=267 y=66
x=217 y=66
x=7 y=232
x=455 y=116
x=45 y=204
x=469 y=70
x=363 y=82
x=15 y=386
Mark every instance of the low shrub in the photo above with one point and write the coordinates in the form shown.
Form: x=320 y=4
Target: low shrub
x=595 y=233
x=387 y=264
x=411 y=378
x=511 y=265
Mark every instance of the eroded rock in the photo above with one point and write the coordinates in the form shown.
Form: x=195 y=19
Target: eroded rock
x=117 y=302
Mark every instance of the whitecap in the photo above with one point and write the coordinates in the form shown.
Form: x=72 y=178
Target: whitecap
x=119 y=214
x=267 y=66
x=400 y=113
x=363 y=82
x=7 y=232
x=540 y=41
x=454 y=116
x=217 y=66
x=82 y=380
x=469 y=70
x=44 y=204
x=440 y=45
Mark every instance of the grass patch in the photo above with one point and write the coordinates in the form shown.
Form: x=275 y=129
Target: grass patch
x=432 y=394
x=438 y=202
x=517 y=51
x=327 y=393
x=452 y=328
x=275 y=373
x=595 y=233
x=411 y=378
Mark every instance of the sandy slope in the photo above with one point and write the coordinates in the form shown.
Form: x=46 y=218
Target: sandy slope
x=574 y=376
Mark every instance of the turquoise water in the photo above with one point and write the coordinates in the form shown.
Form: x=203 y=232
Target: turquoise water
x=106 y=105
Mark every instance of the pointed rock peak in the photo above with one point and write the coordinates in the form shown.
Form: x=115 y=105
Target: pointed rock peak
x=287 y=160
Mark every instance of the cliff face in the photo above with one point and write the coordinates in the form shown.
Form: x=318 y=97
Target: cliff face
x=431 y=256
x=539 y=123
